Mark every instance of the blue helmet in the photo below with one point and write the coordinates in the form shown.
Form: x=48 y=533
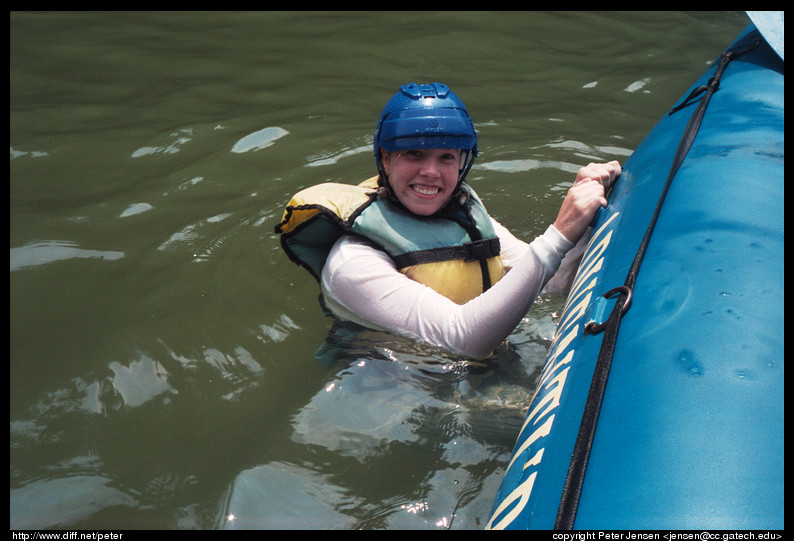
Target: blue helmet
x=426 y=116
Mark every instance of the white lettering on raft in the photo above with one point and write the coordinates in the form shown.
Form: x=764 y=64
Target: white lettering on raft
x=552 y=384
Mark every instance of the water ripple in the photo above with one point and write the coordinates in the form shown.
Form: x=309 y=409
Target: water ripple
x=41 y=253
x=259 y=139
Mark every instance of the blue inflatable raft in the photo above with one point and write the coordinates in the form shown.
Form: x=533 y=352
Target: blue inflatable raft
x=675 y=421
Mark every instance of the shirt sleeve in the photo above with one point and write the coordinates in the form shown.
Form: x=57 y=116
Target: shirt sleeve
x=361 y=284
x=560 y=283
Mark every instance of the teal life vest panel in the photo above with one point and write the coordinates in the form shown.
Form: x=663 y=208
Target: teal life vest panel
x=455 y=251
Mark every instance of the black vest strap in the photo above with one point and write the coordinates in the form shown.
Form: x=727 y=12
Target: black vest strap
x=470 y=251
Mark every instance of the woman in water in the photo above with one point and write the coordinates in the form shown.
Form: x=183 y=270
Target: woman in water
x=413 y=252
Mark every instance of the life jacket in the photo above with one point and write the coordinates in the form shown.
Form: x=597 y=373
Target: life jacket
x=455 y=251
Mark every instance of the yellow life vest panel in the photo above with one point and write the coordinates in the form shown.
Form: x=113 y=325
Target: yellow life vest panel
x=455 y=252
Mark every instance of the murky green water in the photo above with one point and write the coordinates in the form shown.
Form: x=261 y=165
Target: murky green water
x=164 y=365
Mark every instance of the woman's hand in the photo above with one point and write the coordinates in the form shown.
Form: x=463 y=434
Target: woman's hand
x=584 y=198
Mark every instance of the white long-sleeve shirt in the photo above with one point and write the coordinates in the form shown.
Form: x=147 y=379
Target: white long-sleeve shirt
x=362 y=284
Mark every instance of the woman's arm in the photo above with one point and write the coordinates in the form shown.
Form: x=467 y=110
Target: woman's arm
x=362 y=284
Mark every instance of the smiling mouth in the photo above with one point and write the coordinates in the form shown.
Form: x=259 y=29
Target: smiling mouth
x=425 y=190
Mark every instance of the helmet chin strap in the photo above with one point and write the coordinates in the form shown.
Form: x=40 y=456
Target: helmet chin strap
x=383 y=182
x=461 y=194
x=468 y=161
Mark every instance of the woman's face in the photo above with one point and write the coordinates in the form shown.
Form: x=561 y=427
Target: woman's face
x=423 y=180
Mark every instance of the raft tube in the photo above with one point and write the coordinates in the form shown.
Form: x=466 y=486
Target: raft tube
x=690 y=430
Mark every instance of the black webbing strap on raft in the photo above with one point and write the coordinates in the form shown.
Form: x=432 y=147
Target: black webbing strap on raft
x=569 y=502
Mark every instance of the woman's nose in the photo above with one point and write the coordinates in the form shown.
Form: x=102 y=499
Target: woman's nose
x=430 y=167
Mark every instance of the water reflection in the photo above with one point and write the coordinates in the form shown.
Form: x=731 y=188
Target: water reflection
x=286 y=496
x=424 y=430
x=42 y=253
x=41 y=504
x=259 y=140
